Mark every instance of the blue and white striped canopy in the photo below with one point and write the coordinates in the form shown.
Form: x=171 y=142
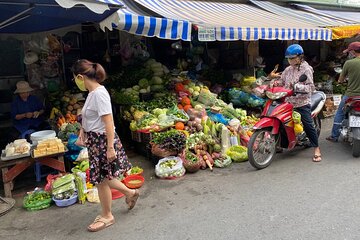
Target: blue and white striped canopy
x=135 y=21
x=349 y=16
x=317 y=19
x=148 y=26
x=233 y=21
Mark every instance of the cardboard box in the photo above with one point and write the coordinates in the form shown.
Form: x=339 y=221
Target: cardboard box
x=331 y=104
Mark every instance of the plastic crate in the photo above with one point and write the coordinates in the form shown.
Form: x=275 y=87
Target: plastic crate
x=136 y=136
x=146 y=137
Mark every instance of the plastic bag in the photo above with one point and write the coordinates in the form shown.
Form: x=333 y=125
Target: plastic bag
x=179 y=115
x=255 y=101
x=83 y=155
x=222 y=162
x=196 y=113
x=93 y=195
x=240 y=98
x=217 y=117
x=225 y=139
x=71 y=143
x=296 y=116
x=37 y=200
x=170 y=167
x=237 y=153
x=207 y=98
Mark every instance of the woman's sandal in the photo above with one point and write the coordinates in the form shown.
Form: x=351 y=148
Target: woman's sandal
x=317 y=158
x=131 y=201
x=105 y=223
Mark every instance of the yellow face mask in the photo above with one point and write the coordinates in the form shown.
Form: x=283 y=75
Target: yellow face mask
x=80 y=83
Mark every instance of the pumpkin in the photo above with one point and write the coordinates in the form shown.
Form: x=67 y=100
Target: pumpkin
x=180 y=106
x=179 y=126
x=187 y=107
x=185 y=101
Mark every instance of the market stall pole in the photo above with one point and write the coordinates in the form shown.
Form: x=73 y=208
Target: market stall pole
x=11 y=169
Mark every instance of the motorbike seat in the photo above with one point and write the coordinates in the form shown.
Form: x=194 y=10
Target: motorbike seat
x=316 y=98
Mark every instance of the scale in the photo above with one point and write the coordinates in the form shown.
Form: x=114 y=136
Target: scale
x=6 y=204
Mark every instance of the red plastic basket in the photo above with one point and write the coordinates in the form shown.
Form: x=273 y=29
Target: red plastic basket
x=134 y=181
x=116 y=194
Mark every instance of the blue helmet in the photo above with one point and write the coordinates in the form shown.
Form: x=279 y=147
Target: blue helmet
x=294 y=50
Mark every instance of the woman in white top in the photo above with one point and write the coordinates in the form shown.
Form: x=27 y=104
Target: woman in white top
x=107 y=157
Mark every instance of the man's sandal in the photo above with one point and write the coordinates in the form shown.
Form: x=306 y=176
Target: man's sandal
x=331 y=139
x=131 y=201
x=317 y=158
x=105 y=223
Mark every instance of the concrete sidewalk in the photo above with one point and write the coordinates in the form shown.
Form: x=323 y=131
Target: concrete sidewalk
x=293 y=198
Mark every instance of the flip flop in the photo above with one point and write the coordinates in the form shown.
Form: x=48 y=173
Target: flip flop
x=317 y=158
x=105 y=223
x=131 y=201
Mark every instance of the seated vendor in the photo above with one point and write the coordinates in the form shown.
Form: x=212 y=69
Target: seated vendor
x=26 y=111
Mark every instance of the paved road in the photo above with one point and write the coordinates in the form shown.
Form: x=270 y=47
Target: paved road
x=292 y=199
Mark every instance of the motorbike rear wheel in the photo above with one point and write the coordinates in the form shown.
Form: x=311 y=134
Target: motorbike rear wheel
x=356 y=148
x=262 y=148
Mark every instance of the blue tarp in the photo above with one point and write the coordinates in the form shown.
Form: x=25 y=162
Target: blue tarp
x=29 y=16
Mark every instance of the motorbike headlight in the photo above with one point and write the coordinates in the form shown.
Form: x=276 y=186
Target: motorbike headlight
x=276 y=95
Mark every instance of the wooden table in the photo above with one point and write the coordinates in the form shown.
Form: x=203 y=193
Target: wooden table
x=10 y=169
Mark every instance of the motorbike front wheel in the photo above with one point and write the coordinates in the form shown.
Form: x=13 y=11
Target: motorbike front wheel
x=262 y=148
x=356 y=148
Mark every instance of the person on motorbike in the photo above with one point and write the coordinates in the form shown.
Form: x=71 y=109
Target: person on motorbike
x=351 y=69
x=301 y=101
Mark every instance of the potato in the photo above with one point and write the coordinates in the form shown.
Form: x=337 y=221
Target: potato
x=70 y=108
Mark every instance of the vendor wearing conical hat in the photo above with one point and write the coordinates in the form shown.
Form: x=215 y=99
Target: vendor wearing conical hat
x=26 y=109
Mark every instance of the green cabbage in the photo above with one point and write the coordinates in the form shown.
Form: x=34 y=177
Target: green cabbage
x=143 y=83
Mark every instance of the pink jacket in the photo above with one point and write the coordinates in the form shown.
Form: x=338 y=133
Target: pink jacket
x=290 y=79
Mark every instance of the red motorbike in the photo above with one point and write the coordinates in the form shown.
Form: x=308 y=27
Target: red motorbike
x=276 y=126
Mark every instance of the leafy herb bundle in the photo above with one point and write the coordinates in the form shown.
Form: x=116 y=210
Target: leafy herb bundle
x=172 y=140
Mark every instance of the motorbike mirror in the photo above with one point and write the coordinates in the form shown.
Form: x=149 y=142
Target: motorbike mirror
x=303 y=78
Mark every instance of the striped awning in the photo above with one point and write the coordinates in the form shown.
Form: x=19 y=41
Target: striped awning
x=164 y=28
x=347 y=15
x=135 y=21
x=233 y=21
x=312 y=18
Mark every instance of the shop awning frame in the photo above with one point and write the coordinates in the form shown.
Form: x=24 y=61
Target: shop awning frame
x=234 y=21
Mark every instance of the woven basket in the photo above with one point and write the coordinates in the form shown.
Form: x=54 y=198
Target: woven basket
x=158 y=151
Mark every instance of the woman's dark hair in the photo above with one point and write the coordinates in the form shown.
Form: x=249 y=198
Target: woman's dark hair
x=89 y=69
